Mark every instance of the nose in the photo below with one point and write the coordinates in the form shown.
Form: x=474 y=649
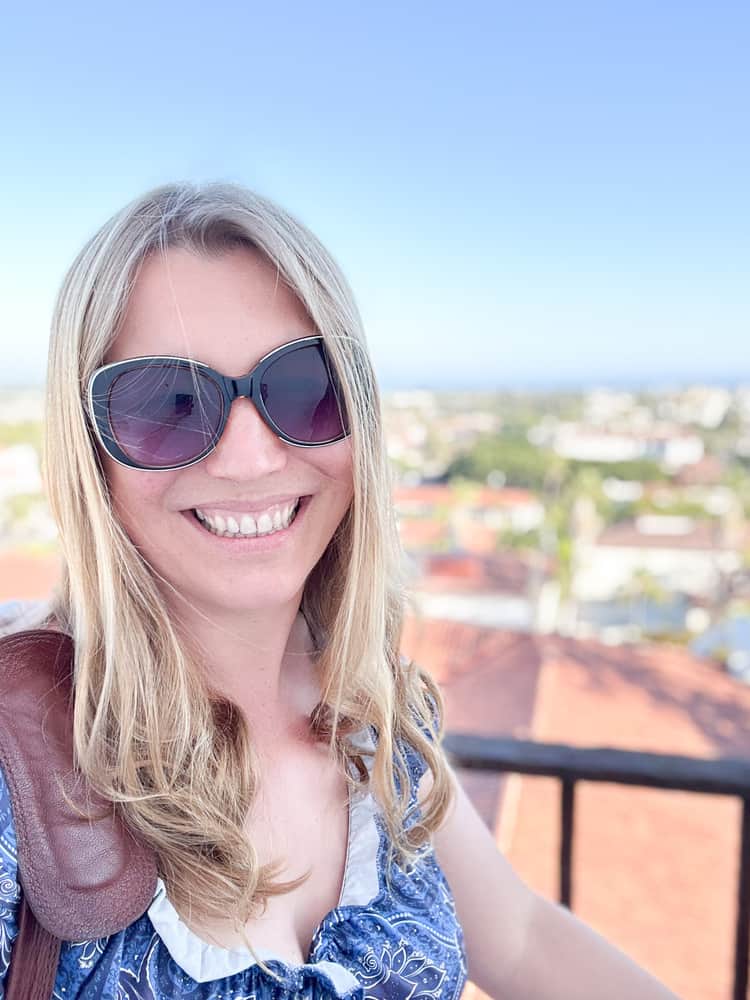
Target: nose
x=248 y=448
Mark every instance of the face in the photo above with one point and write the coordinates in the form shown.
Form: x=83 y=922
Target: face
x=227 y=311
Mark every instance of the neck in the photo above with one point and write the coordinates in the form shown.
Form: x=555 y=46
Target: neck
x=261 y=661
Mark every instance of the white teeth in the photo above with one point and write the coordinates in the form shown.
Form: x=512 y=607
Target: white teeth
x=265 y=524
x=247 y=525
x=230 y=526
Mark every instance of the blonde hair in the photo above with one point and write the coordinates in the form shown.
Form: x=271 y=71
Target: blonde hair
x=180 y=766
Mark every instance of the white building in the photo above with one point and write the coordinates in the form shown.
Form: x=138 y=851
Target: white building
x=683 y=555
x=671 y=447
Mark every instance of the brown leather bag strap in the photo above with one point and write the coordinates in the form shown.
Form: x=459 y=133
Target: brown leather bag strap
x=34 y=959
x=81 y=872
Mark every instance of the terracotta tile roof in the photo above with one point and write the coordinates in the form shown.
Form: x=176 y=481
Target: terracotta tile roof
x=706 y=472
x=653 y=871
x=488 y=676
x=506 y=572
x=27 y=577
x=489 y=679
x=478 y=538
x=429 y=493
x=506 y=496
x=444 y=493
x=642 y=854
x=421 y=533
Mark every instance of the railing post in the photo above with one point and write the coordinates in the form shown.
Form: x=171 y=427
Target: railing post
x=743 y=907
x=569 y=765
x=568 y=787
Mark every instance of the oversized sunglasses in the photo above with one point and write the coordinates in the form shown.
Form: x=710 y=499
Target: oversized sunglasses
x=160 y=413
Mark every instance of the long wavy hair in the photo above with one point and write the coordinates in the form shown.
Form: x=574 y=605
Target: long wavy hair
x=182 y=770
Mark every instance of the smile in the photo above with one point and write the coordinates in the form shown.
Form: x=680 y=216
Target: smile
x=242 y=525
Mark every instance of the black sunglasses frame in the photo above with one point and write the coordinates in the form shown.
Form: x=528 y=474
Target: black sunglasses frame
x=248 y=386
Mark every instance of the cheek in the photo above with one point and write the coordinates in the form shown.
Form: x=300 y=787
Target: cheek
x=338 y=469
x=136 y=496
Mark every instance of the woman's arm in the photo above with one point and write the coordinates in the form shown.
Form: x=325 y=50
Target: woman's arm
x=519 y=945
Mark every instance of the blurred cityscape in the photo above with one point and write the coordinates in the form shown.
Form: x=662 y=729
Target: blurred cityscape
x=580 y=572
x=610 y=514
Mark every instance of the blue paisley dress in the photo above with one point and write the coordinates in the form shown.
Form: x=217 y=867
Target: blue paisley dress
x=395 y=939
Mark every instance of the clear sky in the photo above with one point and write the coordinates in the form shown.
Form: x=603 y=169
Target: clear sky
x=518 y=192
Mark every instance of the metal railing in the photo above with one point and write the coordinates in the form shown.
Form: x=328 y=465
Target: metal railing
x=718 y=776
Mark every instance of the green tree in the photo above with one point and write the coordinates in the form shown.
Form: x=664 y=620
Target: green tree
x=522 y=463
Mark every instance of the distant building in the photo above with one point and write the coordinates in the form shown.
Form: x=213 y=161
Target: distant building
x=498 y=508
x=503 y=590
x=601 y=406
x=672 y=447
x=684 y=555
x=703 y=405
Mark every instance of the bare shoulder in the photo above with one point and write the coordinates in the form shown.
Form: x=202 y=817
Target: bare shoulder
x=519 y=944
x=494 y=905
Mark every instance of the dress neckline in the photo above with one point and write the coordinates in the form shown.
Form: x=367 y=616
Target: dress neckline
x=360 y=884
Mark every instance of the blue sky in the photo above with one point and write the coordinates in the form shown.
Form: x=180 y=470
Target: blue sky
x=518 y=193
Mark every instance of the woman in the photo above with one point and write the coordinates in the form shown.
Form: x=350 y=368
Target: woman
x=215 y=463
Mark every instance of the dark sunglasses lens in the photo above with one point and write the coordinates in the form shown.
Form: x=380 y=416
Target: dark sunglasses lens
x=164 y=414
x=302 y=398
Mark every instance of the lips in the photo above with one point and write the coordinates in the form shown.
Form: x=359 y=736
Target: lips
x=254 y=507
x=240 y=542
x=242 y=525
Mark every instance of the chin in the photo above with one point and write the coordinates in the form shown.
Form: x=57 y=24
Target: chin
x=247 y=599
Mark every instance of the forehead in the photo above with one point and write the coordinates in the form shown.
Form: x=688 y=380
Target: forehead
x=226 y=310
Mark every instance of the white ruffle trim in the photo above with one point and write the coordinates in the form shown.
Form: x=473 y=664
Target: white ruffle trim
x=361 y=882
x=205 y=962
